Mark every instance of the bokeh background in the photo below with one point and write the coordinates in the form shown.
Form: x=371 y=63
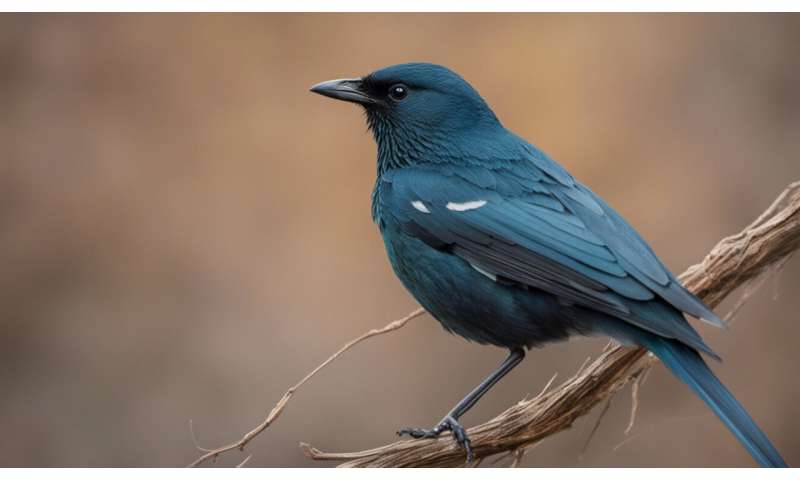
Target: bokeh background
x=185 y=230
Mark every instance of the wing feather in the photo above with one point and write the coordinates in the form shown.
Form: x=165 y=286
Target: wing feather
x=547 y=235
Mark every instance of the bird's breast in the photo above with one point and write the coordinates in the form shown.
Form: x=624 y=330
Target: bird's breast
x=471 y=302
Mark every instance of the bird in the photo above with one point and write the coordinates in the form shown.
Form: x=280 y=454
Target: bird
x=504 y=247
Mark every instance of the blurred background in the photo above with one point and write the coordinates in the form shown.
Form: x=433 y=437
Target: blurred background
x=185 y=230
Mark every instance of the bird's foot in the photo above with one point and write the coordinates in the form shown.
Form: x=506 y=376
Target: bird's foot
x=447 y=423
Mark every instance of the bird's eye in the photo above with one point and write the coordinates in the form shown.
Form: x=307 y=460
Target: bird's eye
x=398 y=92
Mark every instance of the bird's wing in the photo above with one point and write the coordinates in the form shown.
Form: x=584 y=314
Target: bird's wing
x=521 y=224
x=632 y=253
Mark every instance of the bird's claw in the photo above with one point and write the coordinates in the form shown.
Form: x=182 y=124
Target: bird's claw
x=447 y=423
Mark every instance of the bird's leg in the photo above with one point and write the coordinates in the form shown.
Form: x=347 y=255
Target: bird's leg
x=450 y=421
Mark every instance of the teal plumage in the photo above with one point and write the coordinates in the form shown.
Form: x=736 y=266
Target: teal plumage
x=503 y=246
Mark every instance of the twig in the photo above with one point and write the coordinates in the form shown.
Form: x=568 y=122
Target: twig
x=654 y=427
x=596 y=425
x=194 y=439
x=753 y=285
x=518 y=454
x=638 y=381
x=281 y=405
x=548 y=384
x=773 y=236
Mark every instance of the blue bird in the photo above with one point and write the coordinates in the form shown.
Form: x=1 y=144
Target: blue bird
x=503 y=246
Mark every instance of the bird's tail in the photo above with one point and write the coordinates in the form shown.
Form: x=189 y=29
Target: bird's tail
x=690 y=367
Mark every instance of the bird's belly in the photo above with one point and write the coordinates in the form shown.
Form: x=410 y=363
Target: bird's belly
x=469 y=303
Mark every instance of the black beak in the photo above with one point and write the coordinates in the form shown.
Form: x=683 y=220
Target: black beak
x=347 y=89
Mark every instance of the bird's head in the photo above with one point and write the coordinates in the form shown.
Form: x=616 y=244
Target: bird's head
x=414 y=104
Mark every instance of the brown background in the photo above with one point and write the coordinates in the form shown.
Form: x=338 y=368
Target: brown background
x=185 y=230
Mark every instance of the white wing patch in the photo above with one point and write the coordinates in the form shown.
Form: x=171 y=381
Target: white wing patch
x=463 y=207
x=420 y=206
x=492 y=276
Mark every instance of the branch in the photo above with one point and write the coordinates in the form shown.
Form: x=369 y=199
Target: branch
x=736 y=260
x=281 y=405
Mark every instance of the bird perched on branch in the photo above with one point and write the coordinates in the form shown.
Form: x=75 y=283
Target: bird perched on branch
x=504 y=247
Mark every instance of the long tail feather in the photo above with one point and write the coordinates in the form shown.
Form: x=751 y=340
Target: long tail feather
x=690 y=367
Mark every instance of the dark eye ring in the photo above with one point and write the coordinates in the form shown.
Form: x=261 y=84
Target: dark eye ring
x=398 y=92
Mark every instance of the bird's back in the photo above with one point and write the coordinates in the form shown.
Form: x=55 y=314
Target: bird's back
x=516 y=243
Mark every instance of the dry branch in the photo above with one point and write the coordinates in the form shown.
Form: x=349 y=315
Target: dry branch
x=273 y=415
x=734 y=261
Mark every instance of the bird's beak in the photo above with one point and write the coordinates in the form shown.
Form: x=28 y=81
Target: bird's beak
x=347 y=89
